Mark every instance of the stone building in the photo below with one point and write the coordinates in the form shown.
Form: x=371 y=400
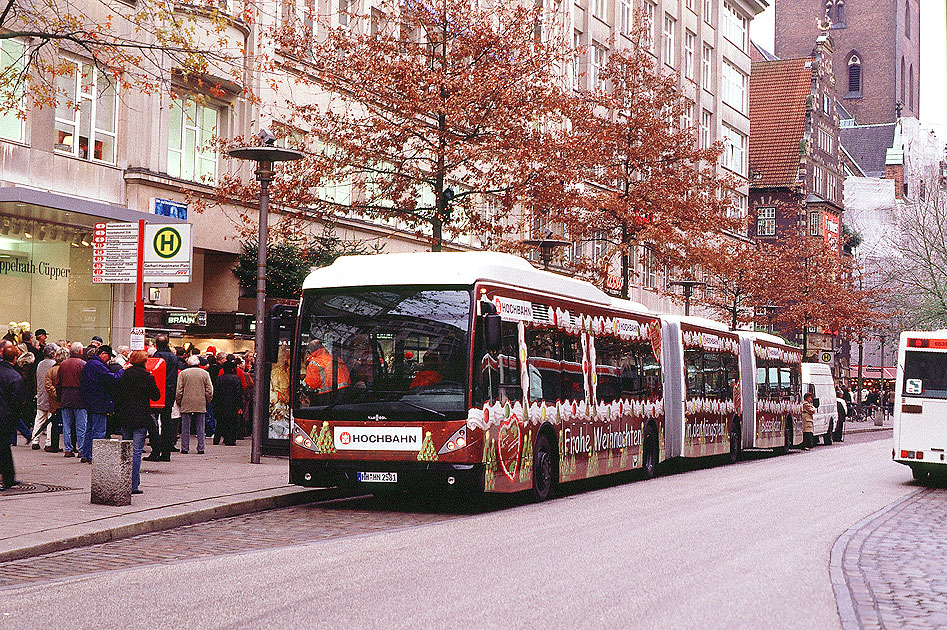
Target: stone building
x=877 y=51
x=124 y=155
x=707 y=43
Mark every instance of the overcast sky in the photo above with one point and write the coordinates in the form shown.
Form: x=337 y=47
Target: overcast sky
x=933 y=57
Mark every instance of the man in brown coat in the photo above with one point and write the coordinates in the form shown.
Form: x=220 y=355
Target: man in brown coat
x=194 y=391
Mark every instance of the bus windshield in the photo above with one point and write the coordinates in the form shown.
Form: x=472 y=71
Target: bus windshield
x=383 y=353
x=925 y=374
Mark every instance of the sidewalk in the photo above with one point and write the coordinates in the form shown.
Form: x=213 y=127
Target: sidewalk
x=51 y=511
x=866 y=426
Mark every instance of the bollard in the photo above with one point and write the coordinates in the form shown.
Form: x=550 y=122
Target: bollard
x=112 y=472
x=879 y=418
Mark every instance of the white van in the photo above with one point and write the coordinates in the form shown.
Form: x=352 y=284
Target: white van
x=817 y=378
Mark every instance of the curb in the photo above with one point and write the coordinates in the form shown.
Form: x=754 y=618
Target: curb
x=869 y=429
x=199 y=515
x=840 y=571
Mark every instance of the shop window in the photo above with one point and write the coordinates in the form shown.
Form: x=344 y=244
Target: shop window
x=13 y=61
x=191 y=130
x=86 y=112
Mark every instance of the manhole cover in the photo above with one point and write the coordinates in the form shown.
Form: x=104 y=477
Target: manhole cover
x=32 y=488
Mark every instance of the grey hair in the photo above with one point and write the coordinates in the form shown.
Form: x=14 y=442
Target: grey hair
x=49 y=351
x=193 y=360
x=76 y=348
x=62 y=353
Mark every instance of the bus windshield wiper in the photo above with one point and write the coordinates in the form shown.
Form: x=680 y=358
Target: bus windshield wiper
x=422 y=407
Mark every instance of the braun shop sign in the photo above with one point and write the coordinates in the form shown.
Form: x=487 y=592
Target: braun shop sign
x=167 y=252
x=187 y=318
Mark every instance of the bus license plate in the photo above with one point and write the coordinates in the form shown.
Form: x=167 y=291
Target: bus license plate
x=382 y=477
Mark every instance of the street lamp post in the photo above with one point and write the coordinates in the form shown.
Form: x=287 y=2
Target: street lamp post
x=265 y=156
x=688 y=287
x=546 y=245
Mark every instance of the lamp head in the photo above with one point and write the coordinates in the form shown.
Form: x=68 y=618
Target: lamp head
x=266 y=137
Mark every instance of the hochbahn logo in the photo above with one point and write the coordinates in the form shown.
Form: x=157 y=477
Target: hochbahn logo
x=378 y=438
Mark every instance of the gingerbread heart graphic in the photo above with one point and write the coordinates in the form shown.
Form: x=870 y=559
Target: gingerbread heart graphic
x=509 y=445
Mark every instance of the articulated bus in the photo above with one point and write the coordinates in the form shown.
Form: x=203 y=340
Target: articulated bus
x=476 y=371
x=920 y=395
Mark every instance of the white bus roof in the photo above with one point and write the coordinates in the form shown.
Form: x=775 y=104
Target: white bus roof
x=764 y=336
x=455 y=268
x=703 y=322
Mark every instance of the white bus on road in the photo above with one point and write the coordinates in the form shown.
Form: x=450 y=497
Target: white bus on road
x=920 y=432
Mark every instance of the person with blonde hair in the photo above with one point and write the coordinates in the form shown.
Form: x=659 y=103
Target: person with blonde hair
x=135 y=390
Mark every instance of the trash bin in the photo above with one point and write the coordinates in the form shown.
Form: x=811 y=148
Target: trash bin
x=879 y=418
x=112 y=472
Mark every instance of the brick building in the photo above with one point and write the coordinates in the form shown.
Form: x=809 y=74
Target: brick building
x=877 y=51
x=796 y=168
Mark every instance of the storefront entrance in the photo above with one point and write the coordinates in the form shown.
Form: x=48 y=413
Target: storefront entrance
x=46 y=276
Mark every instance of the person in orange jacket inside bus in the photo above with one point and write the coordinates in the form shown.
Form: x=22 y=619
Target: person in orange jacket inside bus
x=428 y=374
x=323 y=370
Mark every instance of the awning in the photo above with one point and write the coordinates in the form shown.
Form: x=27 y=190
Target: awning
x=872 y=371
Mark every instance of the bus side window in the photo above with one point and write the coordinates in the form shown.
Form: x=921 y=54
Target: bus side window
x=608 y=368
x=510 y=363
x=573 y=382
x=693 y=363
x=545 y=371
x=762 y=389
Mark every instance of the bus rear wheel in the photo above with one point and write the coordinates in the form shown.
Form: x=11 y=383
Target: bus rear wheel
x=919 y=473
x=649 y=460
x=735 y=443
x=787 y=437
x=543 y=469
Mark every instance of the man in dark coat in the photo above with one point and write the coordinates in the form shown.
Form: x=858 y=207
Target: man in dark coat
x=12 y=399
x=98 y=390
x=228 y=400
x=161 y=448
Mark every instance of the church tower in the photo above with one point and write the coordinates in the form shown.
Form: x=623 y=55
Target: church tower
x=877 y=51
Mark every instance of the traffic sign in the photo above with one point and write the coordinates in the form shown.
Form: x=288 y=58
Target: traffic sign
x=826 y=357
x=168 y=249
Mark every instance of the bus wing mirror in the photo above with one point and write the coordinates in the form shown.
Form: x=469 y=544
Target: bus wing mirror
x=815 y=403
x=491 y=332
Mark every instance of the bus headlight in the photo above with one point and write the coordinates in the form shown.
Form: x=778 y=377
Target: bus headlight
x=302 y=439
x=455 y=442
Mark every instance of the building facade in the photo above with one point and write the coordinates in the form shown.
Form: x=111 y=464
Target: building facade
x=877 y=51
x=707 y=44
x=796 y=168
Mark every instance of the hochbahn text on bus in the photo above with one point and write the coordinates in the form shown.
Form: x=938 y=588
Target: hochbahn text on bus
x=477 y=372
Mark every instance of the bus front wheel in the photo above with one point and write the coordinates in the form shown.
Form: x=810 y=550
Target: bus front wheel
x=543 y=468
x=827 y=438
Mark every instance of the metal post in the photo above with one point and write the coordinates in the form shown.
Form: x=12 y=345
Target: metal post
x=265 y=156
x=264 y=173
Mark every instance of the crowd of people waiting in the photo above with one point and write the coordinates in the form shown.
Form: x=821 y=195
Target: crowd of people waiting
x=87 y=392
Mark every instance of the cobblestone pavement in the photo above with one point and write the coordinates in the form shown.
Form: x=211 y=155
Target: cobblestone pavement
x=232 y=535
x=888 y=571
